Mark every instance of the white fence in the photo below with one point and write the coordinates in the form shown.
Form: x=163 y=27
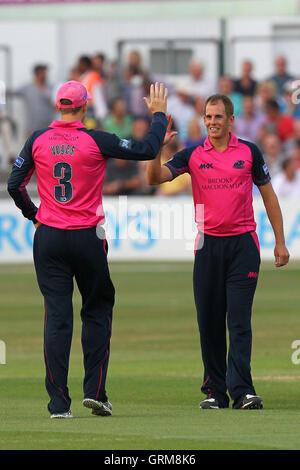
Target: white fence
x=147 y=228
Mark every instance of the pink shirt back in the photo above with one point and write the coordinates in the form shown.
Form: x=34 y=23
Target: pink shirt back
x=70 y=162
x=70 y=170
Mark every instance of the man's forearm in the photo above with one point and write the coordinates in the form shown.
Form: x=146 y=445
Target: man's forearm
x=275 y=217
x=154 y=169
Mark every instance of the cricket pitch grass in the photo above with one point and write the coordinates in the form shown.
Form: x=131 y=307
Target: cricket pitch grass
x=155 y=371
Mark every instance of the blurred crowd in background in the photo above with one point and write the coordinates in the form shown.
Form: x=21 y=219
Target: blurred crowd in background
x=266 y=112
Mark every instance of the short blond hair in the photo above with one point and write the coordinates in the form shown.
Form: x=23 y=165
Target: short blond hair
x=214 y=99
x=68 y=110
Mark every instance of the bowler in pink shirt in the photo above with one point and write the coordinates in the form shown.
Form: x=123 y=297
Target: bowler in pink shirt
x=70 y=161
x=223 y=169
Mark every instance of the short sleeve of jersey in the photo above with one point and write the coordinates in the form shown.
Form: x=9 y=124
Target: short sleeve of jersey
x=179 y=163
x=260 y=172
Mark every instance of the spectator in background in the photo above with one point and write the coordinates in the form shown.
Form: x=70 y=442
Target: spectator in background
x=196 y=81
x=140 y=127
x=94 y=84
x=194 y=135
x=265 y=91
x=273 y=153
x=37 y=97
x=180 y=106
x=118 y=121
x=99 y=65
x=247 y=126
x=125 y=177
x=198 y=104
x=136 y=85
x=263 y=132
x=246 y=85
x=287 y=182
x=280 y=124
x=226 y=87
x=7 y=131
x=291 y=143
x=122 y=178
x=289 y=104
x=295 y=153
x=114 y=85
x=281 y=75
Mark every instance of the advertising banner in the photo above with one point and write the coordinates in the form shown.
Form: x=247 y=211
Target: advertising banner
x=147 y=228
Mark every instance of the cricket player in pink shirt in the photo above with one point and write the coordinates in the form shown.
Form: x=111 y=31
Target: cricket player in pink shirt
x=70 y=161
x=223 y=169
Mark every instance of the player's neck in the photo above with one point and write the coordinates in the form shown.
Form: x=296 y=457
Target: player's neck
x=72 y=117
x=221 y=143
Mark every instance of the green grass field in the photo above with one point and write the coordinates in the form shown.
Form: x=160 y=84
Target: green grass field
x=155 y=369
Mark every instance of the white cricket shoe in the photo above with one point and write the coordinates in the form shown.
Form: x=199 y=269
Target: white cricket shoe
x=209 y=404
x=99 y=408
x=251 y=402
x=65 y=414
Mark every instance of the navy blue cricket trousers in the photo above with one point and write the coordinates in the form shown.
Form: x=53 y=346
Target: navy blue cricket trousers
x=60 y=256
x=225 y=278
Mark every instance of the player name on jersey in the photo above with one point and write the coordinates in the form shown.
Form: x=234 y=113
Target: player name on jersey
x=62 y=149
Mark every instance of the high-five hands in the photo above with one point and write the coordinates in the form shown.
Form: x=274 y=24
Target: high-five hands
x=158 y=98
x=169 y=133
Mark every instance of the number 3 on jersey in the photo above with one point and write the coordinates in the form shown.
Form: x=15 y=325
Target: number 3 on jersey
x=64 y=191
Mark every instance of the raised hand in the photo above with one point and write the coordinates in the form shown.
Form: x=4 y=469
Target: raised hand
x=158 y=98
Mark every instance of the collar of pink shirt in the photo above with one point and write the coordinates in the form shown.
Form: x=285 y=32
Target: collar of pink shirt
x=233 y=142
x=72 y=124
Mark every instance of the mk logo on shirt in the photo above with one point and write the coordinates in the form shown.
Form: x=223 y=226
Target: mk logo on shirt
x=239 y=164
x=253 y=275
x=205 y=165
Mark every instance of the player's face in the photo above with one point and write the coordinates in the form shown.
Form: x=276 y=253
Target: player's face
x=217 y=123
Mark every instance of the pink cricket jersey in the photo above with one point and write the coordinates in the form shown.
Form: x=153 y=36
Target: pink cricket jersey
x=223 y=183
x=70 y=170
x=70 y=163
